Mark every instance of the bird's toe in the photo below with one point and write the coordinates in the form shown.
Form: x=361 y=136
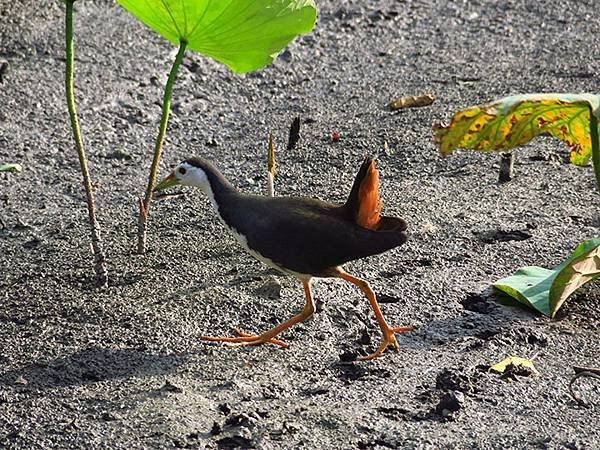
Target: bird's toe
x=389 y=338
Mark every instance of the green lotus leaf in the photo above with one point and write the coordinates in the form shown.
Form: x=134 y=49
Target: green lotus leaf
x=245 y=35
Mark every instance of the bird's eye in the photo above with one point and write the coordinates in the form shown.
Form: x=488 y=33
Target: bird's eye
x=182 y=171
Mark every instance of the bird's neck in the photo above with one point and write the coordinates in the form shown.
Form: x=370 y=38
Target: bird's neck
x=217 y=188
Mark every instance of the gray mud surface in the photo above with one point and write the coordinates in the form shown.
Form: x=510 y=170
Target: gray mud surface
x=124 y=367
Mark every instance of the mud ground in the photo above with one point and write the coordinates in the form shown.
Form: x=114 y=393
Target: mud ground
x=124 y=367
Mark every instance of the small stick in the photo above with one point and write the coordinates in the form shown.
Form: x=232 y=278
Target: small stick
x=271 y=167
x=143 y=212
x=579 y=369
x=294 y=134
x=507 y=162
x=3 y=69
x=582 y=372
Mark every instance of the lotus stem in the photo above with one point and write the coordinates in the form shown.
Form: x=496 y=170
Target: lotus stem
x=595 y=147
x=164 y=121
x=99 y=257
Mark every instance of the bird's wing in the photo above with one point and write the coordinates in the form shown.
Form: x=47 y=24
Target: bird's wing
x=305 y=235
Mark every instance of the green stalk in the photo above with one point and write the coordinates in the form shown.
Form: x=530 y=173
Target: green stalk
x=595 y=147
x=100 y=259
x=164 y=120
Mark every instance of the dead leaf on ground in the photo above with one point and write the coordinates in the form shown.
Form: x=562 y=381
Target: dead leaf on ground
x=412 y=101
x=513 y=366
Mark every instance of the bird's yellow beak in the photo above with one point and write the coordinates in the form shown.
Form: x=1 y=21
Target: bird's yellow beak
x=167 y=182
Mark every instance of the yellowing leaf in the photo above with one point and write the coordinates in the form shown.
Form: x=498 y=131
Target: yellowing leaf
x=514 y=121
x=585 y=267
x=515 y=361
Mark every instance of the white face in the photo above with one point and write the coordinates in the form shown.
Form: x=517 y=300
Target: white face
x=189 y=175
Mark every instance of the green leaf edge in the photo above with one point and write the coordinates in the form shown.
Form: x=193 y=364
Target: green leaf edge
x=244 y=67
x=589 y=99
x=506 y=285
x=13 y=168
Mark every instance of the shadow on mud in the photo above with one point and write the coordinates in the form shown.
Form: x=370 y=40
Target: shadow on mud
x=484 y=316
x=91 y=365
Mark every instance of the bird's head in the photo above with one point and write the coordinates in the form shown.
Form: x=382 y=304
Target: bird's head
x=185 y=173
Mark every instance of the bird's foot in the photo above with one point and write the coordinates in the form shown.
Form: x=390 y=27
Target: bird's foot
x=244 y=338
x=389 y=337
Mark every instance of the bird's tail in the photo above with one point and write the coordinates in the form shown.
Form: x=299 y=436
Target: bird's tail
x=363 y=202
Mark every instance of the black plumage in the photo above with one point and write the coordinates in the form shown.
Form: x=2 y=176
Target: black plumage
x=300 y=234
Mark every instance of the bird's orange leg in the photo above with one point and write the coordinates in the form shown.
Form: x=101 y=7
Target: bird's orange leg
x=268 y=337
x=388 y=332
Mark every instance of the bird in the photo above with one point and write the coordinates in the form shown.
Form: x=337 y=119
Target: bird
x=303 y=237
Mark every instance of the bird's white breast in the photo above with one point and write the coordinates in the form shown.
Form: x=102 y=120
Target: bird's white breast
x=244 y=242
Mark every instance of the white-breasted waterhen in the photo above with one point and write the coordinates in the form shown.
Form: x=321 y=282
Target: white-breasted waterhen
x=301 y=236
